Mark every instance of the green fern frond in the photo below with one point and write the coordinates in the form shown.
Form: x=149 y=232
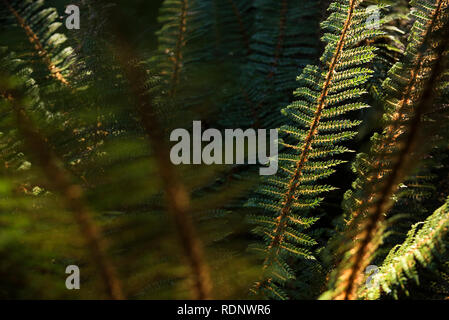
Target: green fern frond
x=334 y=89
x=411 y=109
x=40 y=25
x=14 y=90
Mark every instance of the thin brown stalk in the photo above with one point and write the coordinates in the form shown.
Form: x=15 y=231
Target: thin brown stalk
x=403 y=104
x=307 y=145
x=72 y=194
x=177 y=197
x=35 y=41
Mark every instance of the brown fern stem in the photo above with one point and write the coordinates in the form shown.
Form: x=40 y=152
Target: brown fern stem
x=177 y=60
x=34 y=40
x=307 y=145
x=177 y=197
x=72 y=194
x=281 y=38
x=242 y=28
x=392 y=128
x=278 y=50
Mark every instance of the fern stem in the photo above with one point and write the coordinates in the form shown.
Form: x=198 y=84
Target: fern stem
x=242 y=28
x=178 y=202
x=34 y=40
x=363 y=249
x=307 y=145
x=71 y=193
x=403 y=104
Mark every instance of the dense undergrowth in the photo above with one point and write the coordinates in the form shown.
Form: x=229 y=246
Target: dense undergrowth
x=358 y=91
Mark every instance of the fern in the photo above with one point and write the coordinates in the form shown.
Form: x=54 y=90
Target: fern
x=227 y=30
x=425 y=246
x=409 y=98
x=85 y=171
x=59 y=178
x=415 y=199
x=40 y=25
x=281 y=45
x=326 y=94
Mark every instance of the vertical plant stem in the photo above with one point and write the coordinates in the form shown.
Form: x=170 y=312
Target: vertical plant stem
x=72 y=195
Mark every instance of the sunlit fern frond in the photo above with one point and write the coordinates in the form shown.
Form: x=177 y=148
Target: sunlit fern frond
x=327 y=93
x=423 y=252
x=40 y=25
x=412 y=110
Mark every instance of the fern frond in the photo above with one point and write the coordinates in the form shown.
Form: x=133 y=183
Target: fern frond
x=59 y=178
x=424 y=248
x=40 y=25
x=177 y=197
x=281 y=45
x=333 y=89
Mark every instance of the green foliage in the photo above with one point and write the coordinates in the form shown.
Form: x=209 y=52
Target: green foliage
x=283 y=42
x=40 y=25
x=326 y=95
x=86 y=176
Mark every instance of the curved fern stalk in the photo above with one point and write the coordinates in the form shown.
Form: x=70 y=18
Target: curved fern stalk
x=40 y=26
x=61 y=183
x=412 y=95
x=327 y=93
x=425 y=248
x=177 y=197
